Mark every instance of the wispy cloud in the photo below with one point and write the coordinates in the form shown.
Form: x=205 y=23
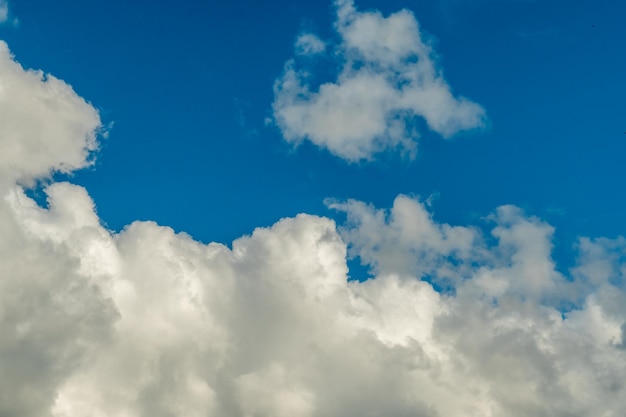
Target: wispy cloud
x=6 y=15
x=4 y=11
x=309 y=44
x=388 y=77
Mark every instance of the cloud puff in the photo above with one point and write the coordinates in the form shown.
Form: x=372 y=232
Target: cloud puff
x=388 y=77
x=148 y=322
x=44 y=125
x=309 y=44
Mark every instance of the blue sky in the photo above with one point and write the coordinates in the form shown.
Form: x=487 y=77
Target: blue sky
x=187 y=87
x=312 y=209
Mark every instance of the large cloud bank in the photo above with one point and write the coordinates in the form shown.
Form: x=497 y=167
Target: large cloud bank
x=388 y=77
x=150 y=323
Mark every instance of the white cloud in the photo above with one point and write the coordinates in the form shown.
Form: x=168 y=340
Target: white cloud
x=388 y=78
x=44 y=124
x=147 y=322
x=309 y=44
x=391 y=241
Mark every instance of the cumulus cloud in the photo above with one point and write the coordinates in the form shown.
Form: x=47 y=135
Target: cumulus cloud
x=44 y=125
x=388 y=78
x=148 y=322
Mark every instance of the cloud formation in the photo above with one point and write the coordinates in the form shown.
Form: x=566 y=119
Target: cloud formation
x=309 y=44
x=388 y=78
x=44 y=125
x=147 y=322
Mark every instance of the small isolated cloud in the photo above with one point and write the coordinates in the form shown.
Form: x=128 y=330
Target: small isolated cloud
x=388 y=77
x=4 y=11
x=309 y=44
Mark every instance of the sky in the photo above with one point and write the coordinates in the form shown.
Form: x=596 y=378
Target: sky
x=334 y=208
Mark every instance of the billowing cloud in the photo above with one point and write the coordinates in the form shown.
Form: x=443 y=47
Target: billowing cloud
x=388 y=78
x=44 y=124
x=148 y=322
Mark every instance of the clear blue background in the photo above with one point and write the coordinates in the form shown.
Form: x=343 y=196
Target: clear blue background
x=188 y=85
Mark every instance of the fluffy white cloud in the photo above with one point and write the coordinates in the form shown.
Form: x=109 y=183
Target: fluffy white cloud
x=51 y=311
x=147 y=322
x=507 y=338
x=388 y=78
x=44 y=124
